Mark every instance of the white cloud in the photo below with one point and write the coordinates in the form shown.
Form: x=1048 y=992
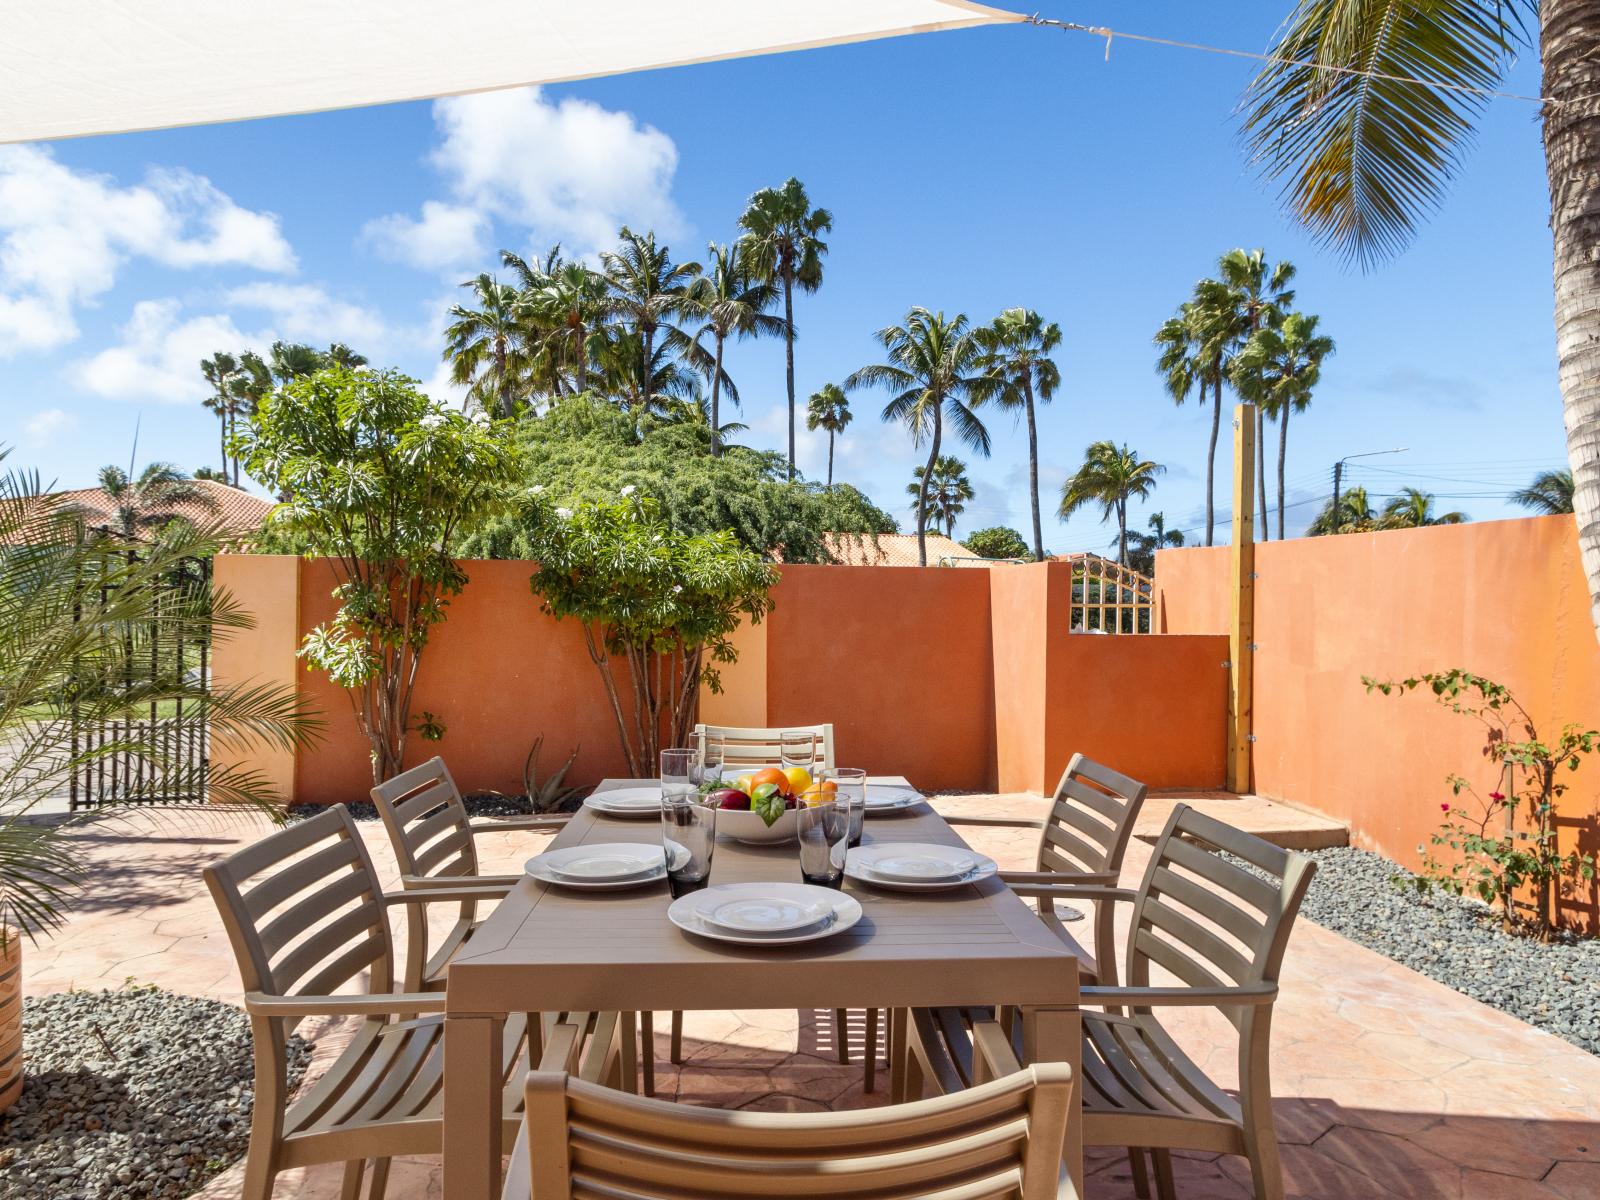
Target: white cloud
x=45 y=426
x=158 y=357
x=568 y=171
x=303 y=312
x=65 y=233
x=446 y=235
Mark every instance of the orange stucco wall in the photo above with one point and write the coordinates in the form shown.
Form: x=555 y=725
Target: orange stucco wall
x=1505 y=599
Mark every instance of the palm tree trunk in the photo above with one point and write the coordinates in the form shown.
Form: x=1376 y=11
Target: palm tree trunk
x=1261 y=468
x=1033 y=468
x=500 y=369
x=922 y=489
x=222 y=433
x=788 y=355
x=1569 y=46
x=583 y=359
x=1283 y=454
x=830 y=460
x=716 y=401
x=1211 y=461
x=1122 y=532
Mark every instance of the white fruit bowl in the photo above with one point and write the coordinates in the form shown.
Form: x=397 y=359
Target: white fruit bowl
x=748 y=827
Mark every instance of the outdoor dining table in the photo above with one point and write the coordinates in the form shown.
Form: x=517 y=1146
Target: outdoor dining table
x=545 y=949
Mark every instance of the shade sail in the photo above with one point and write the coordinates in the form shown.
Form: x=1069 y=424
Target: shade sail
x=76 y=67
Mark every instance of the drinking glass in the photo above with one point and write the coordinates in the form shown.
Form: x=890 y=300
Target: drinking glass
x=688 y=823
x=850 y=785
x=711 y=762
x=824 y=833
x=798 y=748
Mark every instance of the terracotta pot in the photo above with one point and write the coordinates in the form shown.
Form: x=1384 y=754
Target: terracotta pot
x=10 y=1017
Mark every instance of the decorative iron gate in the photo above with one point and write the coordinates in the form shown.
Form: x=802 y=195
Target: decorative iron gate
x=159 y=754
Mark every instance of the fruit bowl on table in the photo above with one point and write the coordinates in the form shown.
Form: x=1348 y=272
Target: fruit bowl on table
x=742 y=825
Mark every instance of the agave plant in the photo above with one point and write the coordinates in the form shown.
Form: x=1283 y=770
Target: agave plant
x=78 y=619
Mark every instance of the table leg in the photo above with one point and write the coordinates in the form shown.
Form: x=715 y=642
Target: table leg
x=1056 y=1035
x=472 y=1106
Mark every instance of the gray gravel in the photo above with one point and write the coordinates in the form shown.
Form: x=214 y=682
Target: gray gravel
x=134 y=1093
x=1459 y=943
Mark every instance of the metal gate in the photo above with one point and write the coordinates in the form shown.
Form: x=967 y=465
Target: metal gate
x=159 y=754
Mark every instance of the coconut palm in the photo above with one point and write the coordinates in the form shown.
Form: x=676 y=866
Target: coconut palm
x=1355 y=515
x=644 y=386
x=782 y=242
x=1255 y=296
x=289 y=361
x=1016 y=347
x=936 y=376
x=1143 y=545
x=222 y=372
x=945 y=484
x=1278 y=369
x=141 y=505
x=1363 y=157
x=646 y=292
x=1195 y=353
x=1549 y=493
x=253 y=385
x=486 y=346
x=1110 y=476
x=731 y=303
x=828 y=408
x=1413 y=509
x=340 y=355
x=569 y=303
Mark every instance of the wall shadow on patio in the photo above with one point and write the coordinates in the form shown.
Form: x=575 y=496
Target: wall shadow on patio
x=135 y=866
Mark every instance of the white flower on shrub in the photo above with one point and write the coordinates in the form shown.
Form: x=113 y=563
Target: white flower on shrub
x=564 y=513
x=629 y=490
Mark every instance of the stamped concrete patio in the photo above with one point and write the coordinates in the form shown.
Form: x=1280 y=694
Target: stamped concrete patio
x=1388 y=1084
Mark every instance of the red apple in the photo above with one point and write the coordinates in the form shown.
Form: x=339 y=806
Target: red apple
x=731 y=798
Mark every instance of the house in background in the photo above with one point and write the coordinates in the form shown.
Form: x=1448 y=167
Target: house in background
x=899 y=550
x=235 y=509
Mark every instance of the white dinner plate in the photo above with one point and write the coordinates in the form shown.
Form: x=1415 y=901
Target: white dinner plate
x=627 y=802
x=771 y=913
x=917 y=862
x=886 y=797
x=859 y=866
x=686 y=912
x=611 y=865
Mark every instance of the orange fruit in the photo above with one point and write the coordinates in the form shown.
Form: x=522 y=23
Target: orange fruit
x=770 y=775
x=825 y=792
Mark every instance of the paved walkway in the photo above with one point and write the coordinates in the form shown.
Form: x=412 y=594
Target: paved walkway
x=1388 y=1084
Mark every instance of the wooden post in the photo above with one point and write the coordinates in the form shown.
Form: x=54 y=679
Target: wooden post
x=1241 y=630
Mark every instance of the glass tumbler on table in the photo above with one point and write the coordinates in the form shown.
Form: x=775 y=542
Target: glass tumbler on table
x=688 y=822
x=850 y=791
x=824 y=835
x=797 y=748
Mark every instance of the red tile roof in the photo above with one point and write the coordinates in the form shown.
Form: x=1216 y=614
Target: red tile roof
x=236 y=510
x=897 y=550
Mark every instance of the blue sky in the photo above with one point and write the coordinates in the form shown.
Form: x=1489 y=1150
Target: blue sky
x=967 y=171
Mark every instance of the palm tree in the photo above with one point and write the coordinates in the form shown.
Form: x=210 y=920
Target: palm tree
x=289 y=361
x=732 y=304
x=221 y=371
x=945 y=484
x=1142 y=552
x=249 y=389
x=1017 y=348
x=1363 y=159
x=1355 y=515
x=645 y=386
x=1549 y=493
x=1278 y=369
x=645 y=291
x=1413 y=509
x=1195 y=346
x=935 y=374
x=828 y=408
x=783 y=242
x=486 y=345
x=1256 y=296
x=570 y=304
x=1110 y=477
x=340 y=355
x=144 y=504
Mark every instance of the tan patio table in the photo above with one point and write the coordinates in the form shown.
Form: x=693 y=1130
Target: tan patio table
x=545 y=949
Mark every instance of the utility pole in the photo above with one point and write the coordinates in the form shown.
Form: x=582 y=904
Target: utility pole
x=1338 y=474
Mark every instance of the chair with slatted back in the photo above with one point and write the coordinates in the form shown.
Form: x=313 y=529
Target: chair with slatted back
x=1000 y=1141
x=746 y=748
x=306 y=918
x=1217 y=922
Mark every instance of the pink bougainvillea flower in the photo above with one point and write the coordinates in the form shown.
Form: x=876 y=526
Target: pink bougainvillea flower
x=1444 y=808
x=1497 y=795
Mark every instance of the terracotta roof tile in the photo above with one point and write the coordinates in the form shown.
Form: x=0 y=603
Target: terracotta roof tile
x=897 y=550
x=237 y=510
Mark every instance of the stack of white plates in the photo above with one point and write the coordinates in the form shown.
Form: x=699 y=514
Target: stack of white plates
x=765 y=914
x=887 y=797
x=627 y=802
x=917 y=866
x=606 y=866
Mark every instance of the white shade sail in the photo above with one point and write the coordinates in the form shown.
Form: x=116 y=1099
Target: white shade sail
x=71 y=68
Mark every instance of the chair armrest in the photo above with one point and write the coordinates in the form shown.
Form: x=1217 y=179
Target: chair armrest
x=1071 y=878
x=1189 y=997
x=996 y=822
x=495 y=824
x=441 y=895
x=1074 y=891
x=437 y=883
x=378 y=1004
x=990 y=1043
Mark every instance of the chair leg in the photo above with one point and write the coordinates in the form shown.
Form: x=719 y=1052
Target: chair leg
x=899 y=1053
x=676 y=1048
x=628 y=1064
x=1266 y=1169
x=841 y=1033
x=350 y=1188
x=380 y=1179
x=871 y=1084
x=1165 y=1189
x=647 y=1051
x=259 y=1177
x=1141 y=1176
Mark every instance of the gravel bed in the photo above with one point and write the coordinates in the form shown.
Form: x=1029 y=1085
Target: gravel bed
x=134 y=1093
x=479 y=804
x=1552 y=986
